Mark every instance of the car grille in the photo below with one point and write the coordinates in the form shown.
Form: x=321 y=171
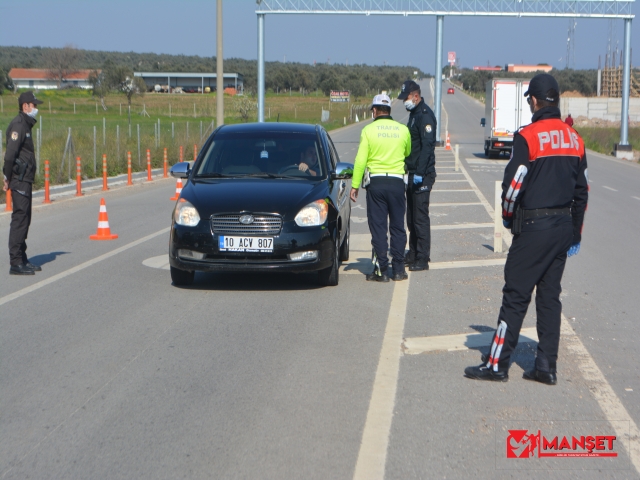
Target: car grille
x=230 y=225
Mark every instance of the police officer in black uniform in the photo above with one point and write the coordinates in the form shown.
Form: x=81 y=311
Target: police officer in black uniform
x=19 y=172
x=544 y=199
x=421 y=167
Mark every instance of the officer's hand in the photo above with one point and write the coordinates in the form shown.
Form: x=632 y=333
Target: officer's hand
x=5 y=187
x=573 y=250
x=506 y=223
x=417 y=180
x=354 y=195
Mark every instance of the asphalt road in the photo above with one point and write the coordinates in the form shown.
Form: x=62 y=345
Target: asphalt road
x=108 y=371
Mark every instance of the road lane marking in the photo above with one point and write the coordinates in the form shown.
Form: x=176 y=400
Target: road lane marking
x=606 y=397
x=464 y=341
x=506 y=234
x=466 y=204
x=495 y=163
x=451 y=181
x=609 y=188
x=461 y=226
x=363 y=265
x=453 y=190
x=450 y=173
x=372 y=457
x=77 y=268
x=636 y=198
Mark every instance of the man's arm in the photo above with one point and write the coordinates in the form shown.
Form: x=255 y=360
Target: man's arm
x=15 y=137
x=580 y=199
x=427 y=144
x=514 y=174
x=361 y=161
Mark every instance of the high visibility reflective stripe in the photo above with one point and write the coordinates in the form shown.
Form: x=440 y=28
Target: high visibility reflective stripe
x=103 y=224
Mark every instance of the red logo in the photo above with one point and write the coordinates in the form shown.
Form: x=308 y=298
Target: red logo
x=522 y=444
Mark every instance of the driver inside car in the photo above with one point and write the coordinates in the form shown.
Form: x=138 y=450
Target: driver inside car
x=309 y=161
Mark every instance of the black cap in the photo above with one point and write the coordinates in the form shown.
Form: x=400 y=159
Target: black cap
x=28 y=97
x=540 y=85
x=408 y=87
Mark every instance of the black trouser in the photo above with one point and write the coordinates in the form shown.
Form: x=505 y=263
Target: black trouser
x=20 y=221
x=535 y=259
x=386 y=198
x=418 y=221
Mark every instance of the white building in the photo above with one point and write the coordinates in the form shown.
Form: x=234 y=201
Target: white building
x=38 y=79
x=191 y=82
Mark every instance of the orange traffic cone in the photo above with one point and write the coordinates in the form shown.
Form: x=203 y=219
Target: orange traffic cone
x=448 y=145
x=178 y=190
x=104 y=232
x=9 y=204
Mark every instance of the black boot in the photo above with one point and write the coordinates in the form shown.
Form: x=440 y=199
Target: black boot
x=481 y=372
x=547 y=378
x=21 y=269
x=372 y=277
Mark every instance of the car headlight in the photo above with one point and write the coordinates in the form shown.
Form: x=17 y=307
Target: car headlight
x=186 y=214
x=313 y=215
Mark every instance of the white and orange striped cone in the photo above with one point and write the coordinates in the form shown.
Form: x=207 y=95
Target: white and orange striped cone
x=448 y=145
x=104 y=232
x=178 y=190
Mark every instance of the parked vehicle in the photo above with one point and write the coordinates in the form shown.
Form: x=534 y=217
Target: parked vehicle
x=506 y=110
x=262 y=197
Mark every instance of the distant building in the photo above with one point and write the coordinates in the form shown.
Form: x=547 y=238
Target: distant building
x=38 y=79
x=190 y=82
x=529 y=68
x=488 y=69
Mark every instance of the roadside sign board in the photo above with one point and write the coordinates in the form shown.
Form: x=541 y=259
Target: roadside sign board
x=451 y=57
x=339 y=96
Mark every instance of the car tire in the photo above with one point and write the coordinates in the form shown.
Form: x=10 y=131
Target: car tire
x=344 y=248
x=181 y=278
x=329 y=277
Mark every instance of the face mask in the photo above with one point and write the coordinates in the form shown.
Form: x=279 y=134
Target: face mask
x=409 y=105
x=33 y=113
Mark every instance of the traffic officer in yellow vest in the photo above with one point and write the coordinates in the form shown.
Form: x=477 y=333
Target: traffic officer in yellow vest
x=384 y=144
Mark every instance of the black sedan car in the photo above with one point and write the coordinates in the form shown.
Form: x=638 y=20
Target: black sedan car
x=262 y=197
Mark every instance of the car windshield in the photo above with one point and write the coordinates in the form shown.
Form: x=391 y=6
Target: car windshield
x=269 y=155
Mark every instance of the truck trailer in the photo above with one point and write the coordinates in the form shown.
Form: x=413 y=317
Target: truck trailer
x=506 y=110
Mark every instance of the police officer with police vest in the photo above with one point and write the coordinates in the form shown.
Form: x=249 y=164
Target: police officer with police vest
x=384 y=144
x=421 y=167
x=544 y=194
x=19 y=172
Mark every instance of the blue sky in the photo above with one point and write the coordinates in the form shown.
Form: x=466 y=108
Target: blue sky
x=188 y=27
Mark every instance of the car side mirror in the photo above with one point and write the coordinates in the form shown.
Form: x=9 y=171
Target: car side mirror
x=482 y=122
x=343 y=171
x=180 y=170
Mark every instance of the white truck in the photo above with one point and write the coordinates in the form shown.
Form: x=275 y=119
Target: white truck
x=506 y=110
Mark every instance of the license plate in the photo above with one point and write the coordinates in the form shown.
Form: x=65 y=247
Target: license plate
x=245 y=244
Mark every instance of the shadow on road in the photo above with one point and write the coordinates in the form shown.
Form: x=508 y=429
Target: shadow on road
x=255 y=282
x=46 y=258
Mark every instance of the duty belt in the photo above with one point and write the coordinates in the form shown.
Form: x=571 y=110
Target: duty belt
x=546 y=212
x=394 y=175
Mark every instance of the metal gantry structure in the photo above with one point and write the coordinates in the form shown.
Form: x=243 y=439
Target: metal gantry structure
x=610 y=9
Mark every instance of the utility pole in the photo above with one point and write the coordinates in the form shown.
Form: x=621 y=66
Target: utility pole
x=219 y=69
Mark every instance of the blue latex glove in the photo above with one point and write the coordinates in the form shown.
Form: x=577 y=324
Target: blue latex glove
x=417 y=180
x=506 y=223
x=573 y=250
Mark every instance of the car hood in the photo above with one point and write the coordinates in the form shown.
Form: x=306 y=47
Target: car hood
x=280 y=196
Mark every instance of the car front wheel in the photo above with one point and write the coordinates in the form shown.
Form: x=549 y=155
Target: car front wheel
x=329 y=276
x=181 y=278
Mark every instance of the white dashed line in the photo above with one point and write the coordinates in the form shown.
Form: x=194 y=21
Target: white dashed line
x=609 y=188
x=636 y=198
